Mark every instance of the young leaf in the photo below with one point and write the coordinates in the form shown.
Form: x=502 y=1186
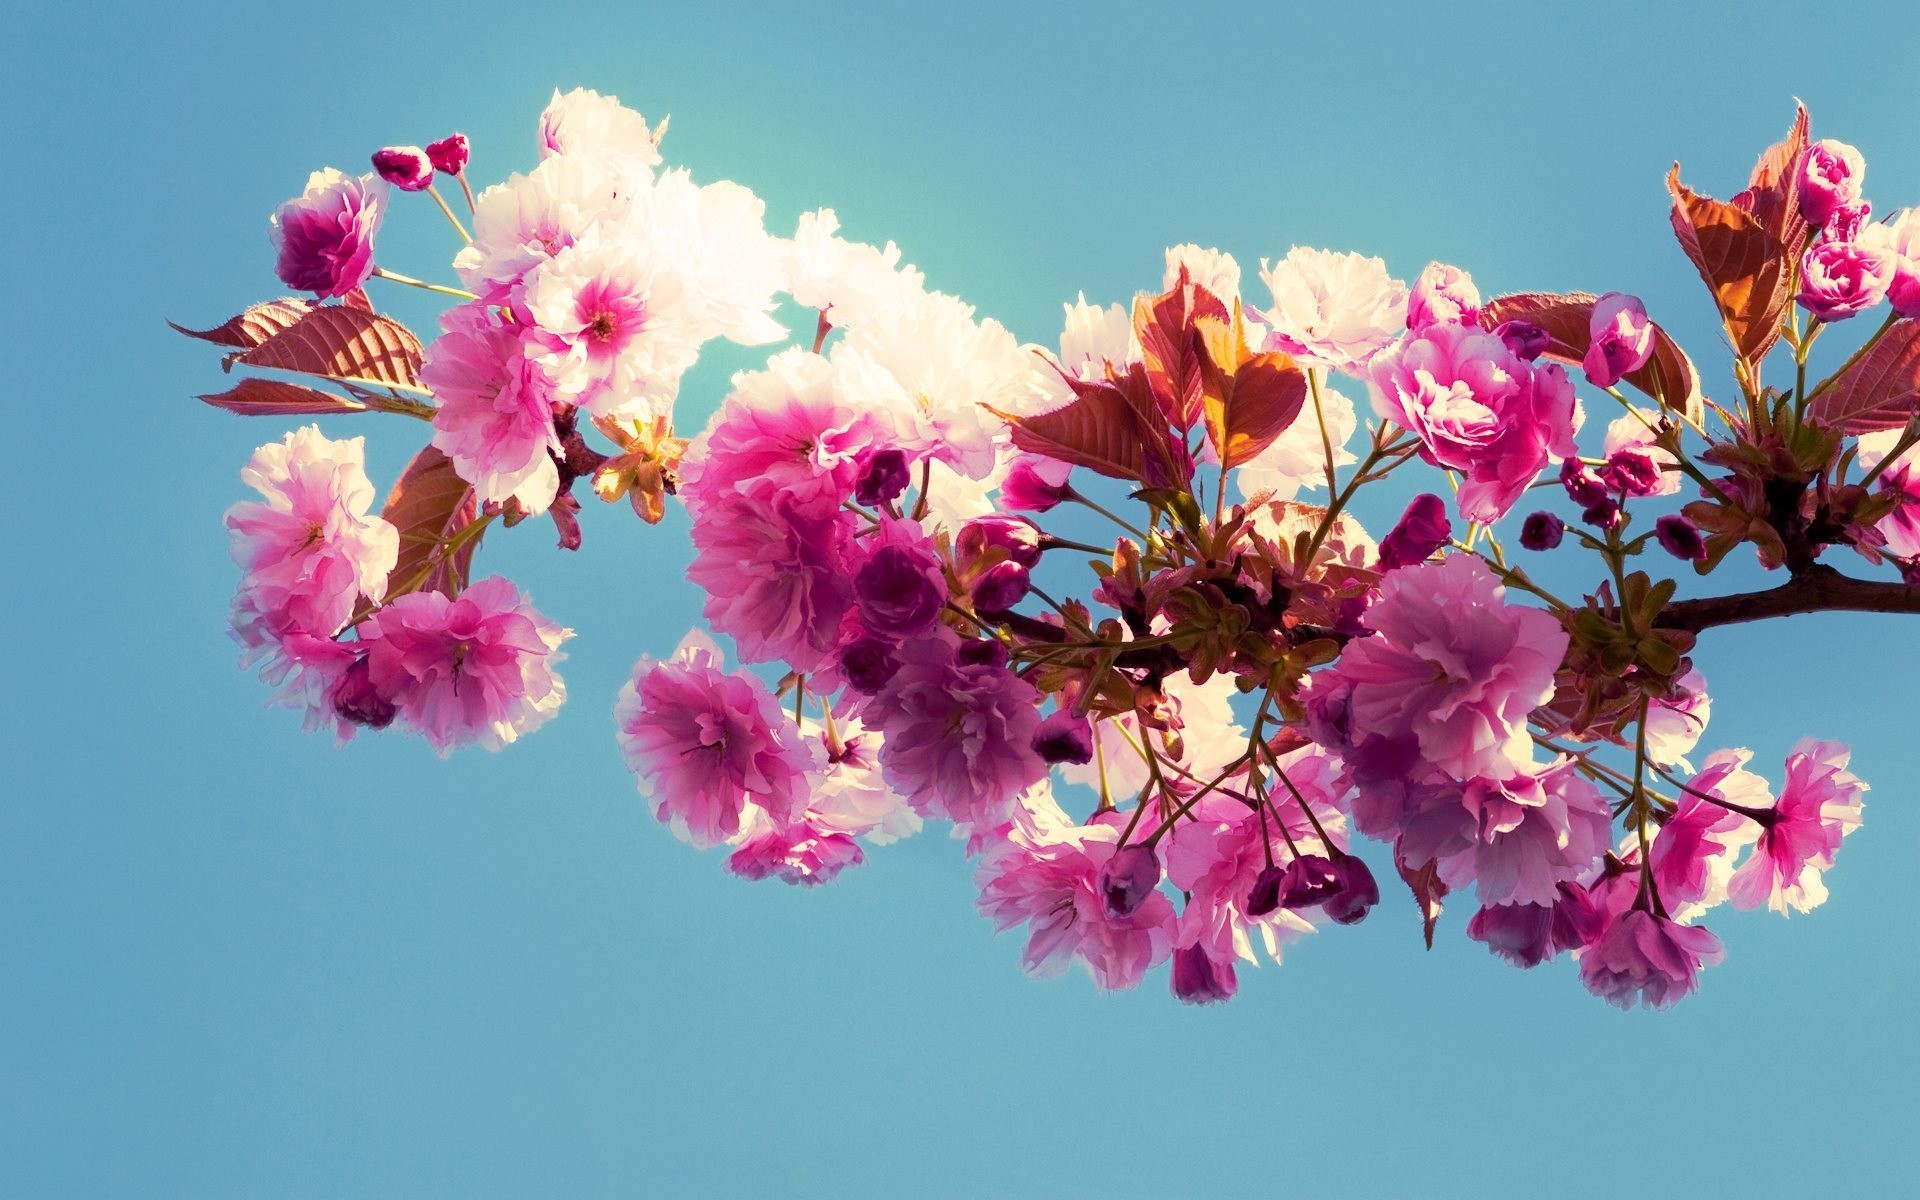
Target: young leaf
x=1668 y=377
x=342 y=343
x=1097 y=431
x=1170 y=347
x=276 y=398
x=255 y=325
x=1427 y=893
x=429 y=504
x=1773 y=191
x=1878 y=390
x=1249 y=399
x=1744 y=266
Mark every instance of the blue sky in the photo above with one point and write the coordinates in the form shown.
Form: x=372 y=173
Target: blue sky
x=236 y=961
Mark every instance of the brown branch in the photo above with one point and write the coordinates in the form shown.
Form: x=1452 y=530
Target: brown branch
x=1816 y=588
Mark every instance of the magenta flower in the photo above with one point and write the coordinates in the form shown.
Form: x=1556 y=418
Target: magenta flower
x=1477 y=409
x=1900 y=238
x=712 y=750
x=958 y=734
x=776 y=576
x=1647 y=958
x=1127 y=878
x=449 y=154
x=310 y=548
x=1635 y=463
x=1453 y=667
x=1518 y=837
x=901 y=587
x=324 y=236
x=1541 y=531
x=1423 y=528
x=1901 y=527
x=1527 y=935
x=1819 y=805
x=1198 y=979
x=1831 y=176
x=1621 y=339
x=475 y=668
x=495 y=419
x=405 y=167
x=782 y=430
x=1443 y=295
x=1843 y=279
x=1064 y=737
x=1036 y=484
x=800 y=853
x=1692 y=856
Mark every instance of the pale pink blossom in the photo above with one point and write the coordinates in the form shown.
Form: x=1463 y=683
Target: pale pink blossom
x=1620 y=339
x=1052 y=886
x=849 y=282
x=712 y=750
x=1647 y=958
x=1516 y=838
x=324 y=236
x=586 y=124
x=1213 y=269
x=1819 y=805
x=1900 y=239
x=1676 y=721
x=1901 y=527
x=1843 y=279
x=1201 y=713
x=803 y=852
x=1092 y=339
x=848 y=794
x=495 y=419
x=306 y=672
x=1297 y=459
x=1692 y=854
x=522 y=223
x=474 y=668
x=1477 y=409
x=1831 y=175
x=1331 y=309
x=1443 y=295
x=310 y=548
x=717 y=232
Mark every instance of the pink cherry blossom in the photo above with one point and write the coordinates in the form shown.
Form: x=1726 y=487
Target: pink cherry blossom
x=1843 y=279
x=776 y=573
x=1621 y=339
x=1647 y=958
x=1333 y=310
x=1901 y=527
x=496 y=414
x=1518 y=837
x=324 y=236
x=1693 y=852
x=1477 y=409
x=474 y=668
x=1831 y=176
x=310 y=548
x=1676 y=721
x=1899 y=238
x=585 y=124
x=1443 y=295
x=1819 y=805
x=849 y=282
x=1632 y=433
x=1214 y=270
x=712 y=750
x=1527 y=935
x=800 y=853
x=785 y=429
x=522 y=223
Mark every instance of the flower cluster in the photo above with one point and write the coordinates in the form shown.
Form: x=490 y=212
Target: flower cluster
x=1163 y=742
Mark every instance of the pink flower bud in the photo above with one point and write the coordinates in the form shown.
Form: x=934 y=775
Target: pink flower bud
x=883 y=476
x=1016 y=537
x=1356 y=895
x=405 y=167
x=1523 y=338
x=1830 y=178
x=1000 y=587
x=1197 y=979
x=867 y=664
x=1443 y=295
x=1265 y=896
x=1583 y=486
x=1036 y=484
x=1064 y=738
x=1128 y=878
x=355 y=698
x=449 y=154
x=1680 y=538
x=1423 y=528
x=1633 y=471
x=1842 y=279
x=1847 y=222
x=1307 y=881
x=1541 y=531
x=1622 y=339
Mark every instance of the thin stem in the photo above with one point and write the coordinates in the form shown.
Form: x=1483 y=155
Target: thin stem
x=410 y=281
x=457 y=226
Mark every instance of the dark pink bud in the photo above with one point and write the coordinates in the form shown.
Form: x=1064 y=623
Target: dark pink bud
x=884 y=474
x=1000 y=587
x=1680 y=538
x=1541 y=531
x=1265 y=896
x=1583 y=487
x=1631 y=471
x=1307 y=881
x=1016 y=537
x=1128 y=878
x=982 y=652
x=868 y=664
x=1578 y=919
x=405 y=167
x=899 y=592
x=1603 y=515
x=1036 y=484
x=356 y=699
x=1064 y=738
x=449 y=154
x=1524 y=338
x=1423 y=528
x=1519 y=933
x=1357 y=893
x=1197 y=979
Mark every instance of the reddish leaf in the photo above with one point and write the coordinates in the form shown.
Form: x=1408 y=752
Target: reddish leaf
x=1773 y=191
x=1745 y=267
x=429 y=504
x=276 y=398
x=357 y=298
x=342 y=343
x=1427 y=893
x=1099 y=430
x=1252 y=404
x=255 y=325
x=1170 y=347
x=1668 y=377
x=1878 y=390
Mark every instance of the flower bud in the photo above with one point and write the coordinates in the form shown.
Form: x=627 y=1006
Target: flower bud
x=1036 y=484
x=1308 y=880
x=1064 y=738
x=1423 y=528
x=1128 y=878
x=1265 y=896
x=1830 y=178
x=1680 y=538
x=449 y=154
x=405 y=167
x=982 y=652
x=1197 y=979
x=1842 y=279
x=884 y=474
x=1541 y=531
x=1583 y=487
x=1621 y=339
x=1443 y=295
x=356 y=699
x=1603 y=515
x=1000 y=587
x=899 y=591
x=1525 y=339
x=1357 y=893
x=1631 y=471
x=1017 y=538
x=867 y=664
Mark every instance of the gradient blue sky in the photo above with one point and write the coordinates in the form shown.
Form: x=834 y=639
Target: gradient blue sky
x=236 y=961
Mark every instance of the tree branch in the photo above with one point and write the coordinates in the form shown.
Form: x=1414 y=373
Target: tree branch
x=1816 y=588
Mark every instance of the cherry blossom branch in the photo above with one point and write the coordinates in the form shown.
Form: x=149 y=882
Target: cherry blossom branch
x=1818 y=588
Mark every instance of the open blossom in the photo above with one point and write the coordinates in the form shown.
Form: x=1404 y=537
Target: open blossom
x=324 y=236
x=1692 y=854
x=1477 y=409
x=1901 y=527
x=719 y=233
x=1517 y=839
x=794 y=428
x=1675 y=722
x=1443 y=295
x=1843 y=279
x=1819 y=804
x=1831 y=176
x=475 y=668
x=959 y=733
x=1899 y=238
x=309 y=547
x=1332 y=309
x=1210 y=736
x=1621 y=339
x=1648 y=958
x=803 y=852
x=522 y=223
x=585 y=123
x=1214 y=270
x=850 y=282
x=712 y=749
x=495 y=419
x=775 y=570
x=1527 y=935
x=1052 y=885
x=899 y=588
x=1452 y=673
